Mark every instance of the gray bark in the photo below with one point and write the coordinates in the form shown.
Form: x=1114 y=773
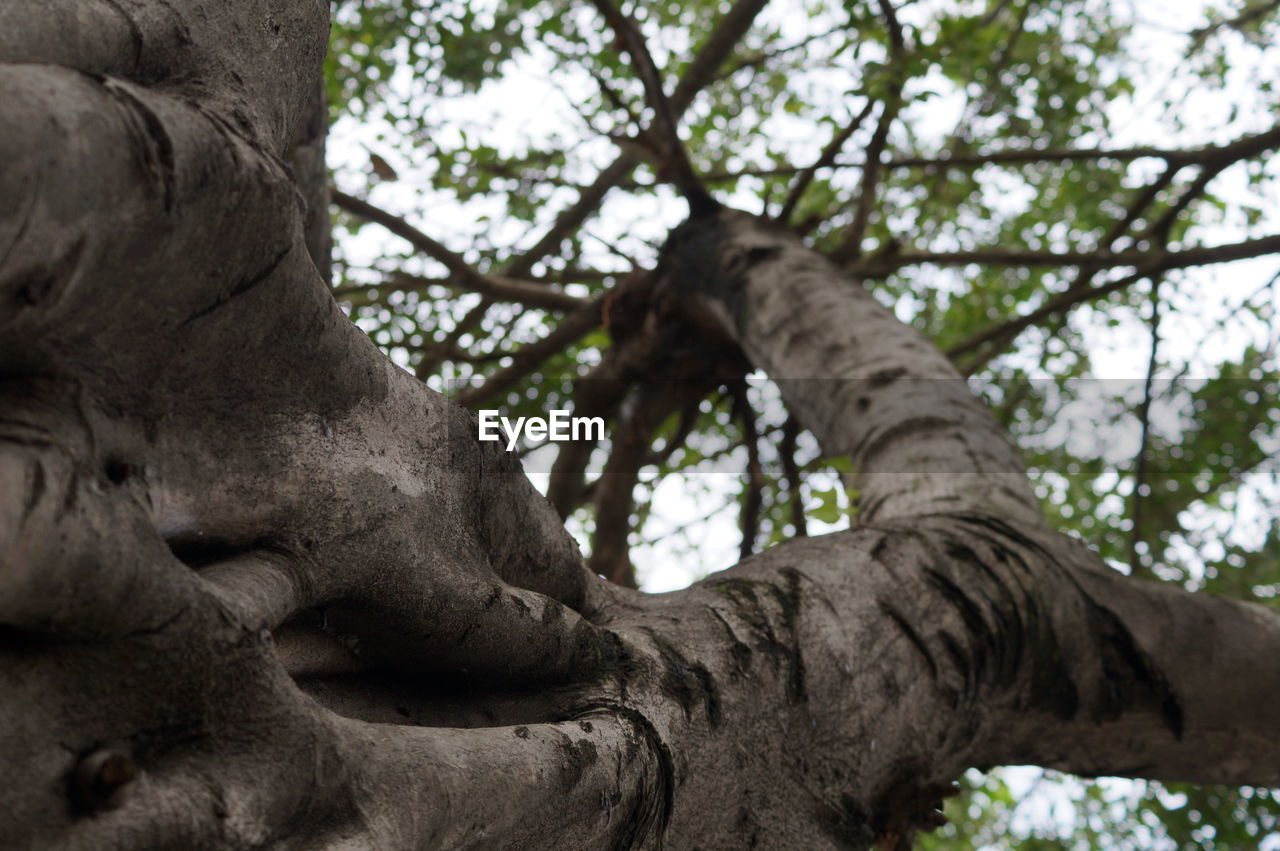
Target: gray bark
x=260 y=588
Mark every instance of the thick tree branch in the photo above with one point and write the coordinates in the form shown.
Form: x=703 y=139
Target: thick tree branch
x=883 y=395
x=1106 y=658
x=198 y=448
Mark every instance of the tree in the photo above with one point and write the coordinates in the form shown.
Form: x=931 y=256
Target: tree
x=263 y=587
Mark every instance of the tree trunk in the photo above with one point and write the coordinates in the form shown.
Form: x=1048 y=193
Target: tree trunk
x=259 y=587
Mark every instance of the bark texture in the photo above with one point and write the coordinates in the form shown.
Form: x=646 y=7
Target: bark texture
x=260 y=588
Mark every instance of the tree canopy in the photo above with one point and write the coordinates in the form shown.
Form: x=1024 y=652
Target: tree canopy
x=1076 y=200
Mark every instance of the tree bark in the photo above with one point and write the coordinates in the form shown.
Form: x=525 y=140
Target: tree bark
x=259 y=587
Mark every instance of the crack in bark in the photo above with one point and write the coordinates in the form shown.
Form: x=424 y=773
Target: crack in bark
x=241 y=288
x=160 y=627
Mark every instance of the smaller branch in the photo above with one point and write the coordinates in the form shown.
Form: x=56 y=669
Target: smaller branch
x=764 y=56
x=596 y=394
x=825 y=160
x=851 y=248
x=1138 y=499
x=615 y=489
x=1219 y=325
x=670 y=153
x=615 y=250
x=879 y=265
x=633 y=42
x=461 y=355
x=615 y=99
x=526 y=293
x=473 y=317
x=1214 y=162
x=599 y=393
x=718 y=47
x=1139 y=204
x=726 y=34
x=451 y=260
x=975 y=106
x=1242 y=148
x=589 y=199
x=1085 y=275
x=1158 y=263
x=688 y=416
x=1160 y=229
x=1247 y=16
